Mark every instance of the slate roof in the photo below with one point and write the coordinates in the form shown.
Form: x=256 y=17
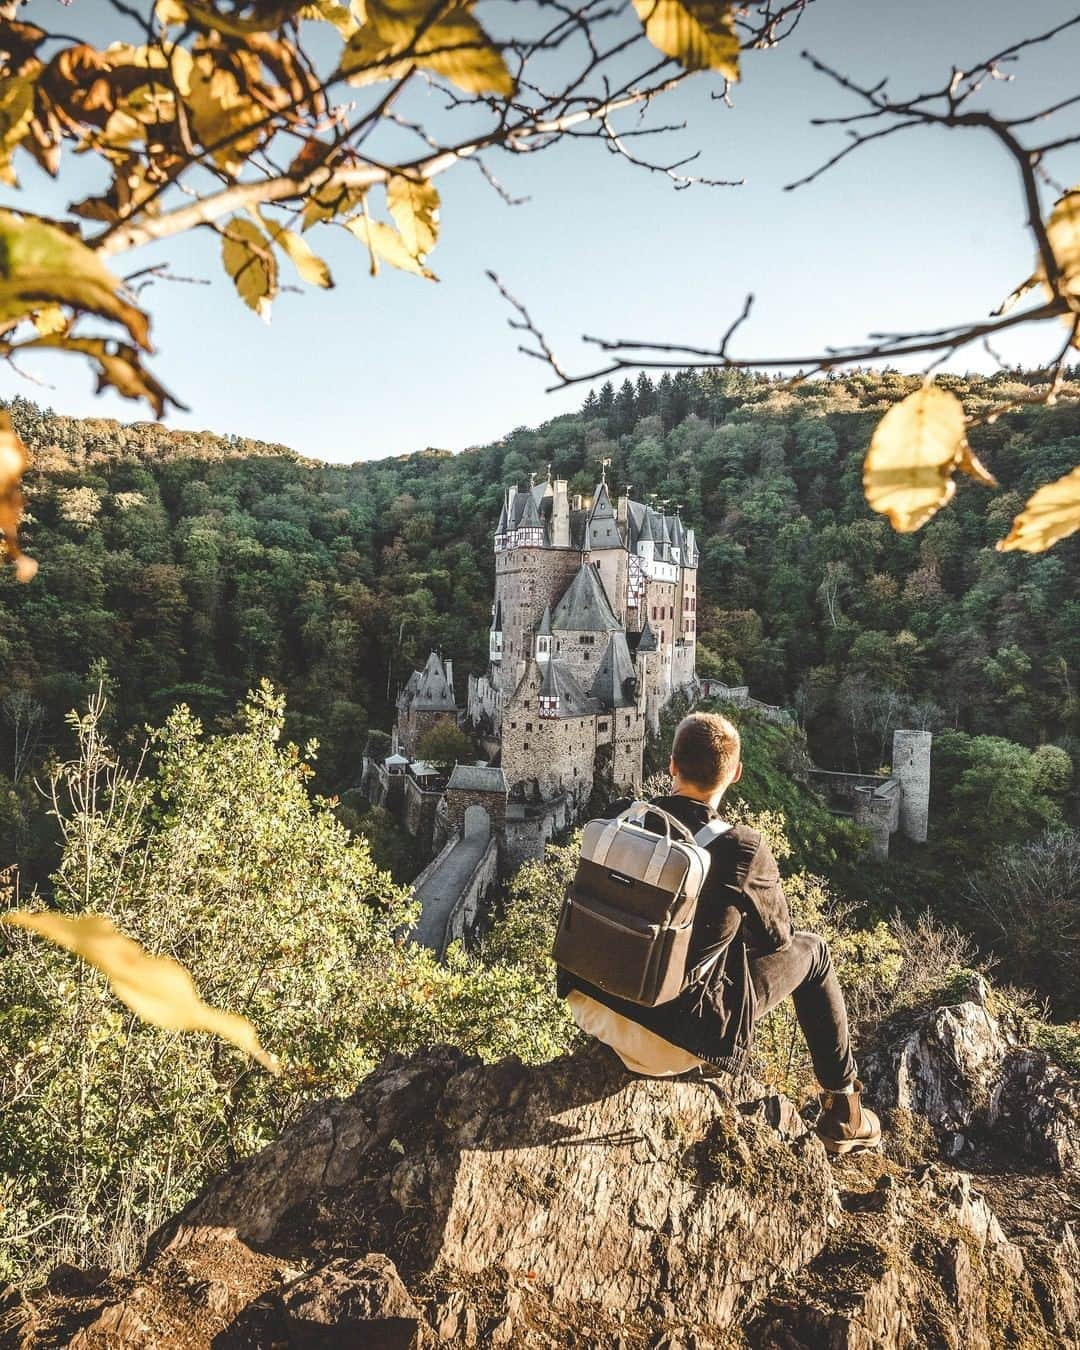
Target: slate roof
x=615 y=683
x=530 y=515
x=647 y=640
x=433 y=690
x=585 y=607
x=561 y=683
x=545 y=623
x=478 y=778
x=603 y=528
x=598 y=527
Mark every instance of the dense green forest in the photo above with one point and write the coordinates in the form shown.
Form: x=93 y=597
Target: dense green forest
x=184 y=567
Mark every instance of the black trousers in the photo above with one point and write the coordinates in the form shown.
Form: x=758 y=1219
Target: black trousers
x=804 y=971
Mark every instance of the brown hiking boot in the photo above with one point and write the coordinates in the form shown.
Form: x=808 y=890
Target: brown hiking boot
x=845 y=1125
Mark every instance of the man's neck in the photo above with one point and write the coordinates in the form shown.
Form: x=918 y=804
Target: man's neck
x=709 y=799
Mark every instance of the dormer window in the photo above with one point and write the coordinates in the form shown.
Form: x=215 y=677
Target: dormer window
x=543 y=648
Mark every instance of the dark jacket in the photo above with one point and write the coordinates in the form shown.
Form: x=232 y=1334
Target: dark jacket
x=742 y=912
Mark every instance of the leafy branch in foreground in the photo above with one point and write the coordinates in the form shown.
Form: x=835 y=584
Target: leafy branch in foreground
x=917 y=446
x=262 y=119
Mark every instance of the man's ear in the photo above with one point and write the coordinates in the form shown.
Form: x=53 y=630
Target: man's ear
x=738 y=772
x=671 y=766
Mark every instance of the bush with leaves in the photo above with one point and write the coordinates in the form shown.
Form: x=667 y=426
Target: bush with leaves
x=220 y=858
x=1025 y=906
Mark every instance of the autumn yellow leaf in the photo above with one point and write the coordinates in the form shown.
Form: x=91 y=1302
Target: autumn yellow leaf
x=13 y=464
x=414 y=205
x=212 y=19
x=16 y=114
x=386 y=245
x=1051 y=514
x=698 y=34
x=310 y=266
x=49 y=319
x=336 y=12
x=1063 y=235
x=221 y=112
x=915 y=449
x=453 y=45
x=1063 y=232
x=41 y=265
x=250 y=261
x=329 y=201
x=118 y=364
x=155 y=988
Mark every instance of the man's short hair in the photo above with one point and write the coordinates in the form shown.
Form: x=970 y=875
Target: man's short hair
x=705 y=750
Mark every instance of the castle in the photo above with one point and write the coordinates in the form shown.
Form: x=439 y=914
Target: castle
x=593 y=629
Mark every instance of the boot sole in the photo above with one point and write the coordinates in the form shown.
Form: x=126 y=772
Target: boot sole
x=837 y=1146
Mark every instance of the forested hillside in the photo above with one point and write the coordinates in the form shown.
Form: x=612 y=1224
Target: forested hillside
x=185 y=566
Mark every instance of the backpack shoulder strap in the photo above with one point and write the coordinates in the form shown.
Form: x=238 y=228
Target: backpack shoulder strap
x=711 y=830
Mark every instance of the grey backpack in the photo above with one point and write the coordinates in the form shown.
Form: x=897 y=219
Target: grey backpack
x=628 y=915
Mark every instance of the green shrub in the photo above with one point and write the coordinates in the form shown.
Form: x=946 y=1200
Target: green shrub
x=220 y=858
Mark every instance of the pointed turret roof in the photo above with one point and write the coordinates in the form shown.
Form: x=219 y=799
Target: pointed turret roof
x=585 y=606
x=615 y=683
x=501 y=527
x=645 y=530
x=675 y=530
x=647 y=640
x=434 y=690
x=603 y=529
x=560 y=683
x=530 y=515
x=545 y=623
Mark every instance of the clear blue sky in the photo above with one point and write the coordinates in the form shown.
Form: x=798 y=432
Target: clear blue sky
x=925 y=229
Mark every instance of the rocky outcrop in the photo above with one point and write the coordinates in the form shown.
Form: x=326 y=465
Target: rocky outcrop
x=983 y=1093
x=570 y=1204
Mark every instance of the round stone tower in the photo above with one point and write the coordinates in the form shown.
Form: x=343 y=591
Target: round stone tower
x=911 y=766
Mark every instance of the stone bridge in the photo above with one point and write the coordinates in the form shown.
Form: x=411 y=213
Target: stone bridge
x=452 y=886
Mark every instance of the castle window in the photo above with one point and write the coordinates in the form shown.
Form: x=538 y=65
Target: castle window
x=528 y=726
x=602 y=726
x=628 y=720
x=526 y=745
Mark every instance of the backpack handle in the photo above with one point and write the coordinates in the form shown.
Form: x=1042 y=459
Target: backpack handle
x=636 y=812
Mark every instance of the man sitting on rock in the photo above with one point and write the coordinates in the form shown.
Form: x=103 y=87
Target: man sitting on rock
x=743 y=927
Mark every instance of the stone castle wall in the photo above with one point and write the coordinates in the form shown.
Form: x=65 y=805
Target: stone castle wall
x=558 y=752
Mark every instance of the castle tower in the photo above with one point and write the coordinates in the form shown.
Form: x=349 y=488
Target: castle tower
x=647 y=665
x=911 y=766
x=605 y=549
x=426 y=701
x=582 y=622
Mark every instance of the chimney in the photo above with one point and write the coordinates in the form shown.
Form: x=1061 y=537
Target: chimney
x=560 y=515
x=450 y=677
x=578 y=504
x=622 y=509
